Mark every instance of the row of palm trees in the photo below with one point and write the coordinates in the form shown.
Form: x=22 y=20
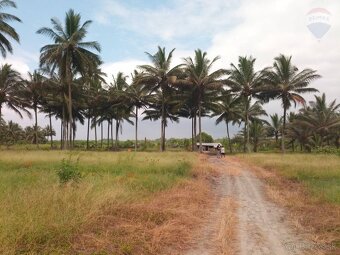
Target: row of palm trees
x=12 y=133
x=70 y=86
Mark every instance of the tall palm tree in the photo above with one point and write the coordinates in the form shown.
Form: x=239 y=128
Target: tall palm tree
x=139 y=96
x=202 y=79
x=321 y=118
x=33 y=92
x=247 y=83
x=69 y=53
x=6 y=31
x=158 y=77
x=285 y=82
x=122 y=110
x=11 y=90
x=229 y=110
x=275 y=126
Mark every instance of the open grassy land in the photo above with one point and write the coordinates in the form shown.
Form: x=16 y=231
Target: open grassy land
x=319 y=173
x=309 y=186
x=112 y=209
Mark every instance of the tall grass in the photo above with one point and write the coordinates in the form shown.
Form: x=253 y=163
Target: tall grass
x=319 y=173
x=39 y=215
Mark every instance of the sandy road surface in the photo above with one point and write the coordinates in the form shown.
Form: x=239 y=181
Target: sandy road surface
x=259 y=226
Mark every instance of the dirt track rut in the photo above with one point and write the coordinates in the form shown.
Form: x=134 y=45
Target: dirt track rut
x=261 y=227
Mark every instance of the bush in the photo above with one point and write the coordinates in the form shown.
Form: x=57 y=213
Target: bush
x=69 y=171
x=327 y=150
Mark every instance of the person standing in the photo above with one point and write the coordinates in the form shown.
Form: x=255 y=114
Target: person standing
x=218 y=148
x=222 y=151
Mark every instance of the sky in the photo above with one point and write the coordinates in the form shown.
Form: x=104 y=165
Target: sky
x=226 y=28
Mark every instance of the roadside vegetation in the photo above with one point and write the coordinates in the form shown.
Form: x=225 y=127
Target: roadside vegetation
x=309 y=186
x=44 y=211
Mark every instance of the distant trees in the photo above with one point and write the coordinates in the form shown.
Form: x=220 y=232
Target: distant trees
x=11 y=88
x=12 y=133
x=229 y=110
x=275 y=126
x=200 y=77
x=71 y=87
x=316 y=125
x=287 y=83
x=246 y=83
x=70 y=55
x=158 y=77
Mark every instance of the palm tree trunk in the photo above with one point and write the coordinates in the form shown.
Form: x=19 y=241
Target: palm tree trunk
x=61 y=134
x=51 y=129
x=69 y=83
x=101 y=134
x=246 y=126
x=88 y=133
x=117 y=131
x=95 y=131
x=112 y=133
x=283 y=130
x=162 y=126
x=108 y=134
x=64 y=145
x=200 y=125
x=195 y=131
x=192 y=134
x=36 y=125
x=276 y=137
x=163 y=146
x=230 y=147
x=73 y=133
x=136 y=129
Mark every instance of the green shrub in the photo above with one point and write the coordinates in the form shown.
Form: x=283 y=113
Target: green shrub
x=327 y=150
x=69 y=171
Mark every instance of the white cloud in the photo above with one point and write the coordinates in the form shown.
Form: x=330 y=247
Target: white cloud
x=269 y=28
x=126 y=66
x=178 y=19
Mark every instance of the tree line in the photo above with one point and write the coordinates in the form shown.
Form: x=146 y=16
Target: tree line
x=70 y=86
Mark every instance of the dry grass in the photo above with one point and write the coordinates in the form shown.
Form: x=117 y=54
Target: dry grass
x=126 y=203
x=163 y=224
x=227 y=234
x=310 y=213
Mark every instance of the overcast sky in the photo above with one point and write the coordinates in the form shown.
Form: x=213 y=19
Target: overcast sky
x=126 y=29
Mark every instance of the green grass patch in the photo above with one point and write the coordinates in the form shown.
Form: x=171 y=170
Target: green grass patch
x=320 y=173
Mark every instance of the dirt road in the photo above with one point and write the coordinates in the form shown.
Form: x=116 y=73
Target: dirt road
x=243 y=221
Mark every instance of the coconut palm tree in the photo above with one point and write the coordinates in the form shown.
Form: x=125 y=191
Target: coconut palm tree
x=122 y=109
x=200 y=77
x=258 y=131
x=246 y=83
x=11 y=90
x=171 y=106
x=158 y=77
x=69 y=53
x=321 y=118
x=275 y=126
x=229 y=110
x=284 y=81
x=7 y=32
x=34 y=87
x=138 y=95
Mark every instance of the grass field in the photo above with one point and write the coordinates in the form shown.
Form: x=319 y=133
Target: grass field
x=38 y=215
x=319 y=173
